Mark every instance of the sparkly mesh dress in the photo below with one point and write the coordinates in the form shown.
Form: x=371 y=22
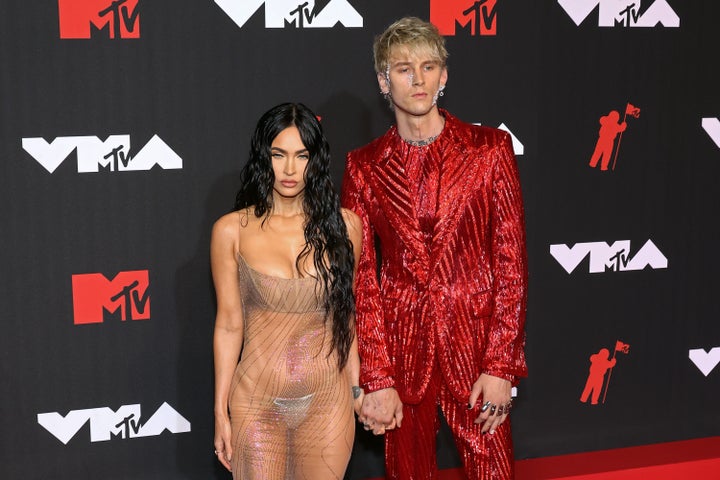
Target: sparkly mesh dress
x=290 y=406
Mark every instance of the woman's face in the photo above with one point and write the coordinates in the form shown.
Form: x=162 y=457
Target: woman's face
x=289 y=162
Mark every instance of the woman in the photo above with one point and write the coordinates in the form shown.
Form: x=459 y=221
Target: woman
x=283 y=265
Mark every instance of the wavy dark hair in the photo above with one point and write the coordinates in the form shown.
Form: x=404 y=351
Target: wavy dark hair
x=326 y=236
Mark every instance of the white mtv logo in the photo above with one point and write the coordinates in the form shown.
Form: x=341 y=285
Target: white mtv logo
x=712 y=127
x=300 y=13
x=705 y=361
x=615 y=257
x=105 y=423
x=622 y=12
x=518 y=147
x=113 y=153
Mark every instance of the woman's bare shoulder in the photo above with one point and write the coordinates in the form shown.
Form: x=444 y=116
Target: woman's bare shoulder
x=352 y=220
x=354 y=226
x=234 y=224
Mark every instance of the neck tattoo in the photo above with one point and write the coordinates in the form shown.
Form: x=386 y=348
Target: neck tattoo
x=423 y=142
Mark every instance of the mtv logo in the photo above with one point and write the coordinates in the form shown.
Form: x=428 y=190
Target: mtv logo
x=300 y=14
x=92 y=153
x=106 y=424
x=93 y=294
x=479 y=17
x=705 y=361
x=712 y=127
x=77 y=17
x=604 y=257
x=622 y=12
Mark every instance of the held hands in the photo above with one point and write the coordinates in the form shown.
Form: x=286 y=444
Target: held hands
x=358 y=399
x=223 y=445
x=381 y=410
x=494 y=392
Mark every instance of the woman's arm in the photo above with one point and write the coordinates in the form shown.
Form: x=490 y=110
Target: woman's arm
x=354 y=228
x=228 y=335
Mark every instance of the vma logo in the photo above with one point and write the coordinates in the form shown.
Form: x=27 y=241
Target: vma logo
x=712 y=127
x=294 y=13
x=82 y=18
x=474 y=17
x=601 y=367
x=94 y=296
x=93 y=154
x=623 y=13
x=105 y=424
x=705 y=361
x=518 y=147
x=604 y=257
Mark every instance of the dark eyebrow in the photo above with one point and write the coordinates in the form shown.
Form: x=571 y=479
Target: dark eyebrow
x=304 y=150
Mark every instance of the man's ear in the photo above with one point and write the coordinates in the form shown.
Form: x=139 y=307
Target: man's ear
x=383 y=84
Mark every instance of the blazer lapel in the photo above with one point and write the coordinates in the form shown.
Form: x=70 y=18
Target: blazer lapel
x=459 y=172
x=394 y=189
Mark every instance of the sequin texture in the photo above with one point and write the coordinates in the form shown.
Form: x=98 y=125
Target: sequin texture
x=453 y=272
x=290 y=406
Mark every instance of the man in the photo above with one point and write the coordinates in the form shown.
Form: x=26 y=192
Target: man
x=444 y=326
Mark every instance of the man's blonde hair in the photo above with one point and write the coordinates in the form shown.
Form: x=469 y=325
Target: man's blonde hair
x=412 y=33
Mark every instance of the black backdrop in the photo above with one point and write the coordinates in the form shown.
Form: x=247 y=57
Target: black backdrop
x=91 y=390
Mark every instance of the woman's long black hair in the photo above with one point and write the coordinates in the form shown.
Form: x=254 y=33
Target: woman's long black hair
x=326 y=235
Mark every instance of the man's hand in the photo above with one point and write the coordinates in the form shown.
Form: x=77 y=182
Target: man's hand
x=381 y=410
x=494 y=393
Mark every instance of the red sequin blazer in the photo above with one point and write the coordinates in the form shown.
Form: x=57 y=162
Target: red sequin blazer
x=457 y=294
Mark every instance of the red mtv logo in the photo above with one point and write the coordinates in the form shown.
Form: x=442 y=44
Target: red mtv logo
x=477 y=16
x=120 y=18
x=93 y=294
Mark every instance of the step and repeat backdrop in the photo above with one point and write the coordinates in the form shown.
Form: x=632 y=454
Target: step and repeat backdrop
x=124 y=125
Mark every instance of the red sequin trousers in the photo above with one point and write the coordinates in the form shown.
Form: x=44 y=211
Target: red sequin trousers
x=410 y=451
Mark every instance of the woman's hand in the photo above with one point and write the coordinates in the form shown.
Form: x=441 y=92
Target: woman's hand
x=223 y=445
x=358 y=397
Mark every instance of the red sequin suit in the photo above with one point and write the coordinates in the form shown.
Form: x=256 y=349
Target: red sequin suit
x=450 y=303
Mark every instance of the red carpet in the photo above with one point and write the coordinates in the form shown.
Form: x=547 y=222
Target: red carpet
x=697 y=459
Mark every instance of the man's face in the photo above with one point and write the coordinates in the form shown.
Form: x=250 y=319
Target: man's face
x=413 y=79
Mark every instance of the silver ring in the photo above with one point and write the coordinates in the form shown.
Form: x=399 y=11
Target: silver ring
x=485 y=406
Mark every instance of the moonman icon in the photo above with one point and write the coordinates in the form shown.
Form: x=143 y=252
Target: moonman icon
x=600 y=363
x=609 y=129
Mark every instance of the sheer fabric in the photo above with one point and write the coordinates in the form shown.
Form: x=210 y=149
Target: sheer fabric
x=290 y=406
